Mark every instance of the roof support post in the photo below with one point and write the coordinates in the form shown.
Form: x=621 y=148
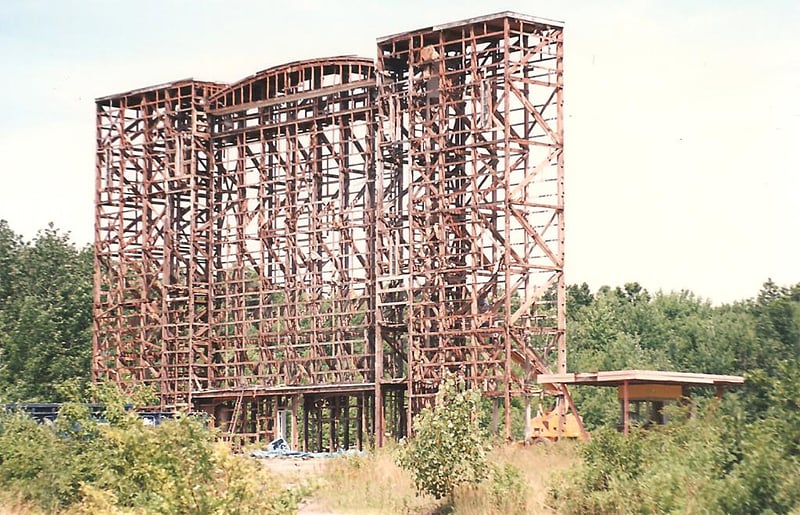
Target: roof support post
x=625 y=408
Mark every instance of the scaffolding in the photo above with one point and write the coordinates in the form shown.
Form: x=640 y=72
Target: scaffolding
x=152 y=239
x=307 y=252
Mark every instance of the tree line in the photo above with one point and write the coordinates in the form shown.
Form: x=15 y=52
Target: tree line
x=45 y=315
x=46 y=324
x=629 y=328
x=740 y=455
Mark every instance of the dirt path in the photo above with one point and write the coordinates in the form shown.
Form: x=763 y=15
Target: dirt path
x=292 y=471
x=296 y=467
x=314 y=509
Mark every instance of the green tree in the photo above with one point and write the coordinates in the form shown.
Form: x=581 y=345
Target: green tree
x=10 y=244
x=45 y=314
x=578 y=296
x=742 y=457
x=448 y=448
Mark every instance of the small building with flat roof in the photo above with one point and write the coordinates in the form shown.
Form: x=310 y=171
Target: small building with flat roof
x=653 y=388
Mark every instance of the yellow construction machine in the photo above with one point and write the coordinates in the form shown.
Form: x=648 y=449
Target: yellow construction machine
x=544 y=427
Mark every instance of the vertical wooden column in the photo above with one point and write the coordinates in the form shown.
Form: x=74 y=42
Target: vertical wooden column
x=360 y=422
x=318 y=419
x=306 y=435
x=561 y=289
x=294 y=422
x=402 y=413
x=625 y=408
x=346 y=423
x=333 y=422
x=378 y=422
x=527 y=417
x=507 y=229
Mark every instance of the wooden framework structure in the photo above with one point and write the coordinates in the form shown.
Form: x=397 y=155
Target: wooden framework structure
x=312 y=248
x=471 y=210
x=153 y=239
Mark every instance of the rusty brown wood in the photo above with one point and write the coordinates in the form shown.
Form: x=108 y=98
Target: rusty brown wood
x=480 y=156
x=341 y=229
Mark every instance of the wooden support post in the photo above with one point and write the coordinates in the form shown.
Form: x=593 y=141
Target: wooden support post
x=378 y=422
x=402 y=429
x=625 y=408
x=346 y=422
x=318 y=417
x=527 y=417
x=507 y=216
x=369 y=416
x=360 y=422
x=306 y=406
x=507 y=418
x=273 y=406
x=333 y=410
x=293 y=439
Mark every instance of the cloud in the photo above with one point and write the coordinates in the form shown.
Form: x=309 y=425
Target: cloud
x=682 y=124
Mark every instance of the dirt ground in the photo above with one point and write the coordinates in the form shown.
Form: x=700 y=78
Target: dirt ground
x=295 y=467
x=312 y=509
x=295 y=470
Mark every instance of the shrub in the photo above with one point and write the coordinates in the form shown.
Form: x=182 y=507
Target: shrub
x=448 y=449
x=81 y=466
x=36 y=464
x=701 y=465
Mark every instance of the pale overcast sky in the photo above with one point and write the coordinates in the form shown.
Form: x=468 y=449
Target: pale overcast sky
x=683 y=117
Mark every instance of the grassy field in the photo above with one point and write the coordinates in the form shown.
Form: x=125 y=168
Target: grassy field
x=374 y=484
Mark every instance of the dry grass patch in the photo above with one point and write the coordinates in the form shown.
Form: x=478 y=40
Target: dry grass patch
x=371 y=484
x=538 y=464
x=11 y=504
x=374 y=484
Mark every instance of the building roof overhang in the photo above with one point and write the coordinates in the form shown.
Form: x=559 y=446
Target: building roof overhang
x=619 y=377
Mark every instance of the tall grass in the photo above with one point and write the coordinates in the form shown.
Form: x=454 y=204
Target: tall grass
x=13 y=504
x=374 y=484
x=519 y=482
x=371 y=484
